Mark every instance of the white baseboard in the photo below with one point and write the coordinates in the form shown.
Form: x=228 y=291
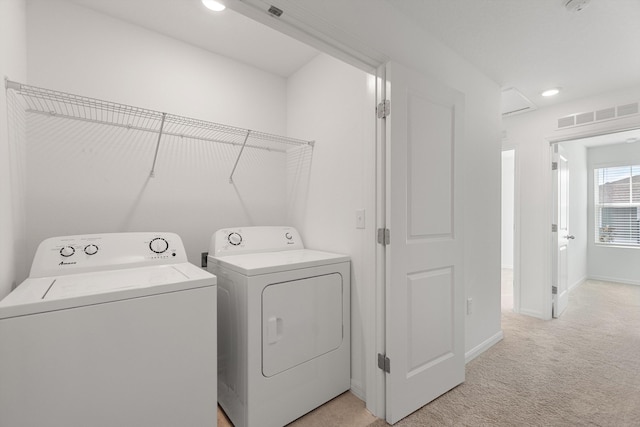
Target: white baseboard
x=578 y=283
x=483 y=346
x=533 y=313
x=358 y=390
x=615 y=279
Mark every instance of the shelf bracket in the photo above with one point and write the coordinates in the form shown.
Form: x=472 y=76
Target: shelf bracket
x=155 y=157
x=239 y=154
x=8 y=84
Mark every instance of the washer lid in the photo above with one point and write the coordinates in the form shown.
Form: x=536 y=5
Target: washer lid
x=274 y=262
x=38 y=295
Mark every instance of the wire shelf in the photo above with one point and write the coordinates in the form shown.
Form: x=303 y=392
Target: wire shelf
x=61 y=104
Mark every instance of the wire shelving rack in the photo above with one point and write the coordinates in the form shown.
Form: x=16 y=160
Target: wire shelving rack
x=76 y=107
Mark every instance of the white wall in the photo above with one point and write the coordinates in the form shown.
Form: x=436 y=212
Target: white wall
x=13 y=64
x=616 y=264
x=326 y=189
x=508 y=182
x=86 y=178
x=578 y=209
x=531 y=133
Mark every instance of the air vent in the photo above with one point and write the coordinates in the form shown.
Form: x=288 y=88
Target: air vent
x=625 y=110
x=564 y=122
x=513 y=102
x=584 y=118
x=607 y=113
x=275 y=11
x=610 y=113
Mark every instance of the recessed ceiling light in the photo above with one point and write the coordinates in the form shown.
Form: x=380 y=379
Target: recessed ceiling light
x=214 y=5
x=551 y=92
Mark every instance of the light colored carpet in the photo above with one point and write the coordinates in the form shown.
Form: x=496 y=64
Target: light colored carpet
x=580 y=370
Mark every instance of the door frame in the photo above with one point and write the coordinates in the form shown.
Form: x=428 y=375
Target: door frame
x=508 y=146
x=557 y=265
x=568 y=136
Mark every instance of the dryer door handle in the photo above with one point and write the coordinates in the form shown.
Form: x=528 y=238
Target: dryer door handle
x=274 y=329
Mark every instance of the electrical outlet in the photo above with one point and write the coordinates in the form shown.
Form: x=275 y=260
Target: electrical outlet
x=360 y=223
x=469 y=305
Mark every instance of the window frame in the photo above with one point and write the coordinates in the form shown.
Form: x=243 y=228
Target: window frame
x=631 y=227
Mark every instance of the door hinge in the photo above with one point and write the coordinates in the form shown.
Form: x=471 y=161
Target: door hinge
x=554 y=228
x=554 y=290
x=554 y=166
x=384 y=363
x=384 y=236
x=383 y=109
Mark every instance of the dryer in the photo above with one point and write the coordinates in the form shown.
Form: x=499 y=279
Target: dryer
x=110 y=330
x=283 y=325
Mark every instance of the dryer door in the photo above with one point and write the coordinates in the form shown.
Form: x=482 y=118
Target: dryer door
x=301 y=320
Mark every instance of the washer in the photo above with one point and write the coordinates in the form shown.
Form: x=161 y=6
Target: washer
x=110 y=330
x=284 y=325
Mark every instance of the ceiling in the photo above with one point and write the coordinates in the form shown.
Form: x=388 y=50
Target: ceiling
x=533 y=45
x=226 y=33
x=530 y=45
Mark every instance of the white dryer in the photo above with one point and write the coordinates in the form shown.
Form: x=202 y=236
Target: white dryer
x=283 y=325
x=110 y=330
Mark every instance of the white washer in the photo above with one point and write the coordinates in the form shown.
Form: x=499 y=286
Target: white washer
x=284 y=325
x=110 y=330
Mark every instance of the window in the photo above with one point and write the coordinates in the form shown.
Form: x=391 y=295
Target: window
x=617 y=205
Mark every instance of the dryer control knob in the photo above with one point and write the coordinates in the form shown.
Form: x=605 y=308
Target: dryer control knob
x=288 y=235
x=159 y=245
x=67 y=251
x=91 y=249
x=234 y=238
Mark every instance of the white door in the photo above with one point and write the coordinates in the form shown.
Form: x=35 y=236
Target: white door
x=424 y=285
x=560 y=287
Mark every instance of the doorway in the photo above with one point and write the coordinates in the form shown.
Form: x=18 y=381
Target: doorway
x=591 y=255
x=508 y=228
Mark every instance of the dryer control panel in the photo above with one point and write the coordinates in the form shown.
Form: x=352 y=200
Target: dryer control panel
x=242 y=240
x=95 y=252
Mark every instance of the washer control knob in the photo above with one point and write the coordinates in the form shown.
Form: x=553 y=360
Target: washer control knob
x=91 y=249
x=67 y=251
x=159 y=245
x=234 y=238
x=288 y=235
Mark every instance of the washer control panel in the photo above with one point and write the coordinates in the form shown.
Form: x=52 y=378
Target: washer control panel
x=95 y=252
x=236 y=241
